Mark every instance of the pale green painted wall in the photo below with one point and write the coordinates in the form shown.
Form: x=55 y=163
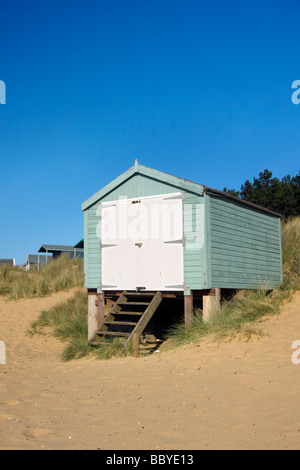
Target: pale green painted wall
x=236 y=246
x=244 y=245
x=140 y=186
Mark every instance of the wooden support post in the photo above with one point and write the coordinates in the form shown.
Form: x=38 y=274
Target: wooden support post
x=218 y=298
x=136 y=344
x=93 y=323
x=188 y=308
x=211 y=304
x=101 y=304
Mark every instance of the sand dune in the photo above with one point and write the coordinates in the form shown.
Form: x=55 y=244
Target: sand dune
x=229 y=395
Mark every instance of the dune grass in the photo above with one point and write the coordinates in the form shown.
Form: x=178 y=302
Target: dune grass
x=58 y=275
x=291 y=254
x=241 y=314
x=68 y=322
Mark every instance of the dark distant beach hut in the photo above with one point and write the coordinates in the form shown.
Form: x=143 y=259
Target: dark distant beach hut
x=57 y=250
x=8 y=261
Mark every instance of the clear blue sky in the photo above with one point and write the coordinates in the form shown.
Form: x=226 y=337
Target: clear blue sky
x=199 y=89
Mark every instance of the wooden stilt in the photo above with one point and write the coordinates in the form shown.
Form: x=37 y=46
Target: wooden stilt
x=101 y=305
x=218 y=298
x=188 y=308
x=211 y=304
x=136 y=344
x=93 y=323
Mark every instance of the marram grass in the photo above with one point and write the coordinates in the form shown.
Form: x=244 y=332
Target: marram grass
x=58 y=275
x=68 y=322
x=241 y=314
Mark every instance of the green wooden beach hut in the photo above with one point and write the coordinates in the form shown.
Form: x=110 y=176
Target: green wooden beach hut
x=151 y=234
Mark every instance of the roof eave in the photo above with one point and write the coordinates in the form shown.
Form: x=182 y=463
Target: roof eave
x=55 y=248
x=241 y=201
x=80 y=244
x=109 y=187
x=143 y=170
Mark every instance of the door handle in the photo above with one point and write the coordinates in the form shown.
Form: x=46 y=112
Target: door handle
x=138 y=245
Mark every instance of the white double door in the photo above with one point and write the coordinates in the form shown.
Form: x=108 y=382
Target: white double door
x=142 y=243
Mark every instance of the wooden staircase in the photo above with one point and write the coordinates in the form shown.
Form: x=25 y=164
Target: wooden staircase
x=128 y=318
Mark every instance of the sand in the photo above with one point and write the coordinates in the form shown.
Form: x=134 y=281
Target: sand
x=226 y=395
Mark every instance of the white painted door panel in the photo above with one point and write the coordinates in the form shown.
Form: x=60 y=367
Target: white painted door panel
x=142 y=243
x=118 y=251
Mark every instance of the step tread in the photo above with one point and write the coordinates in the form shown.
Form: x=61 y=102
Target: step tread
x=134 y=303
x=127 y=299
x=140 y=294
x=112 y=333
x=123 y=312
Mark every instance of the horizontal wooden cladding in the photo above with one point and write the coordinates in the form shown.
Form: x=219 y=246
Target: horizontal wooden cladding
x=242 y=262
x=255 y=252
x=94 y=272
x=94 y=253
x=231 y=283
x=194 y=269
x=197 y=262
x=94 y=217
x=243 y=241
x=245 y=214
x=246 y=272
x=92 y=249
x=255 y=232
x=250 y=274
x=245 y=246
x=239 y=277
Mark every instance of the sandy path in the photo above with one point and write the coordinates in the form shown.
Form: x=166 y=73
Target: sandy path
x=235 y=395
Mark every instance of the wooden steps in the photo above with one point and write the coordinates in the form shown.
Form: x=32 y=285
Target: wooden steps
x=135 y=303
x=128 y=318
x=130 y=313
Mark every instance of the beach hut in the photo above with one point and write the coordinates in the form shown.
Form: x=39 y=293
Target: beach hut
x=55 y=251
x=8 y=261
x=149 y=235
x=34 y=260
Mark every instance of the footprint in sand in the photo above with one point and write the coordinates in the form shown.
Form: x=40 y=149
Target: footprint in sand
x=6 y=417
x=12 y=402
x=36 y=433
x=9 y=417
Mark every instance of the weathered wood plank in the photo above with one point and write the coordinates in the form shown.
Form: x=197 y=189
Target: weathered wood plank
x=149 y=312
x=117 y=322
x=114 y=333
x=137 y=303
x=136 y=344
x=188 y=308
x=211 y=304
x=93 y=322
